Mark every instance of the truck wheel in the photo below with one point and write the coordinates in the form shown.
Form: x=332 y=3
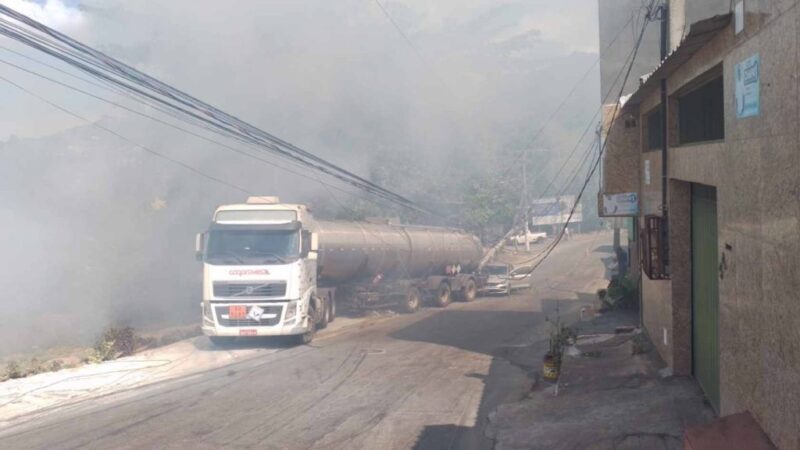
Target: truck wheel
x=412 y=301
x=469 y=291
x=308 y=336
x=326 y=314
x=443 y=294
x=221 y=341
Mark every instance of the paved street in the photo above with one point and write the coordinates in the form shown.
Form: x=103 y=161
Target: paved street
x=426 y=380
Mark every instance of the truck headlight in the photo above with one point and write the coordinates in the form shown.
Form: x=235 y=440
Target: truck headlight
x=291 y=311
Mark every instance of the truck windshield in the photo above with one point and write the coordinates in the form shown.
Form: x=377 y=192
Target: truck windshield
x=247 y=247
x=495 y=270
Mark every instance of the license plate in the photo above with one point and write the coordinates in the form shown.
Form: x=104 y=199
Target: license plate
x=247 y=332
x=237 y=312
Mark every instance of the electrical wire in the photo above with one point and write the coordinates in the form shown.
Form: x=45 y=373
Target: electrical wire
x=599 y=158
x=564 y=100
x=171 y=125
x=109 y=70
x=126 y=139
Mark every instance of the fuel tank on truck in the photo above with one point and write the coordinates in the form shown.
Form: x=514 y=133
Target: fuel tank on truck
x=355 y=250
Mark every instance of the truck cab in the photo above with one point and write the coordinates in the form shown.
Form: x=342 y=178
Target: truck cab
x=260 y=272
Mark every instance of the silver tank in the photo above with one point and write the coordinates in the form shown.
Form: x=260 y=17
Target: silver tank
x=355 y=250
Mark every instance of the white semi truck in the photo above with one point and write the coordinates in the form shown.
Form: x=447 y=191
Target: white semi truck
x=271 y=269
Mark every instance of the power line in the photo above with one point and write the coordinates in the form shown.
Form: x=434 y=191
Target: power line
x=563 y=102
x=126 y=139
x=171 y=125
x=597 y=162
x=401 y=32
x=150 y=89
x=514 y=228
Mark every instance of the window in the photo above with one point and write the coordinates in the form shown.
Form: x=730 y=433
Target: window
x=654 y=248
x=701 y=113
x=654 y=135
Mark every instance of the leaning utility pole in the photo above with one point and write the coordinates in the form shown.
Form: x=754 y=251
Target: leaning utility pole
x=525 y=198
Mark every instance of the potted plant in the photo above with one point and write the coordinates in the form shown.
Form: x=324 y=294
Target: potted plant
x=559 y=337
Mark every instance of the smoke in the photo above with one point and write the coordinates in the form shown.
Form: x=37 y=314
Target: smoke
x=98 y=231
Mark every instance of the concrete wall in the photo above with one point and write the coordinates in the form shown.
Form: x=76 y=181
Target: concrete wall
x=756 y=170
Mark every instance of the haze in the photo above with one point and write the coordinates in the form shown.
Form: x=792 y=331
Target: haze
x=98 y=231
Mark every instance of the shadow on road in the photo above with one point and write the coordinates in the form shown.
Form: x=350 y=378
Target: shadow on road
x=264 y=342
x=515 y=366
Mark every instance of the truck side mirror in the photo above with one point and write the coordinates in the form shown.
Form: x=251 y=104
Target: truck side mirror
x=314 y=242
x=199 y=243
x=305 y=243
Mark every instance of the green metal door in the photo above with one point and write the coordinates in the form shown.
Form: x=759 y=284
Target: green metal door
x=705 y=291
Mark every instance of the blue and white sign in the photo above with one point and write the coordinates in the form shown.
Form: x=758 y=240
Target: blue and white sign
x=748 y=84
x=620 y=205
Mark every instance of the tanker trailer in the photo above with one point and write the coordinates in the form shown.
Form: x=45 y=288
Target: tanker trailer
x=376 y=265
x=271 y=269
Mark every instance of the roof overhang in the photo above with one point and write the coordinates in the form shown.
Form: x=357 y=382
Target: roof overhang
x=699 y=34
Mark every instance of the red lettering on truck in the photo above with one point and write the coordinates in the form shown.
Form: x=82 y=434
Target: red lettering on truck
x=242 y=272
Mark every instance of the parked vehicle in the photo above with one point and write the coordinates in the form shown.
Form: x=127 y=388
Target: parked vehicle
x=529 y=237
x=271 y=269
x=504 y=279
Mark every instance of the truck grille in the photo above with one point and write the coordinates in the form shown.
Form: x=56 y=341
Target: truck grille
x=247 y=322
x=266 y=289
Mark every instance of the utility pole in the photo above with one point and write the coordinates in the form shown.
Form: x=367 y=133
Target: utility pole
x=525 y=197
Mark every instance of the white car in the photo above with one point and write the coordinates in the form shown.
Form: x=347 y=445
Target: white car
x=530 y=237
x=503 y=279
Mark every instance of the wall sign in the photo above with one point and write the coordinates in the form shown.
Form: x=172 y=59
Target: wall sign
x=748 y=84
x=620 y=205
x=647 y=171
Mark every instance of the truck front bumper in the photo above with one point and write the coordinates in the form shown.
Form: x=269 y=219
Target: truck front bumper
x=217 y=321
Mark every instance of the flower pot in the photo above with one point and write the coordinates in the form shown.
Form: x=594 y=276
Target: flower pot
x=550 y=367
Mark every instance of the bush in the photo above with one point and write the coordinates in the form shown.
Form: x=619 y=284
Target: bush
x=14 y=370
x=623 y=294
x=115 y=342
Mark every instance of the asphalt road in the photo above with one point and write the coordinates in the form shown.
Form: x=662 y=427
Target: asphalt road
x=426 y=380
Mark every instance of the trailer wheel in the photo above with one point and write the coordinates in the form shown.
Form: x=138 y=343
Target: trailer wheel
x=412 y=301
x=469 y=292
x=443 y=295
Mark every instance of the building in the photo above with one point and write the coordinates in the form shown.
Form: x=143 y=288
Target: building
x=720 y=265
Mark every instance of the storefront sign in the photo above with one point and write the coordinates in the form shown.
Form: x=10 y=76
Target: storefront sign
x=748 y=83
x=620 y=205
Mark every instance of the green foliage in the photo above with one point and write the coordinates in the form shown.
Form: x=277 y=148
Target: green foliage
x=114 y=343
x=624 y=293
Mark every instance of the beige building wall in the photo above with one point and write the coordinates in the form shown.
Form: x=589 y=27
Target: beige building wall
x=620 y=160
x=756 y=170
